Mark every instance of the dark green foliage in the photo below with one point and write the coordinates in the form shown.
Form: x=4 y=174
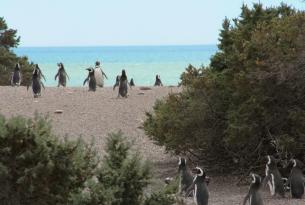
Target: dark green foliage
x=121 y=179
x=160 y=198
x=8 y=59
x=8 y=37
x=248 y=103
x=37 y=168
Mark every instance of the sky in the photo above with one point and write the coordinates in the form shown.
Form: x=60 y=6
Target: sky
x=122 y=22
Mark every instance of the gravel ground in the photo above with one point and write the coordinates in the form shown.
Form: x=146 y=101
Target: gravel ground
x=95 y=114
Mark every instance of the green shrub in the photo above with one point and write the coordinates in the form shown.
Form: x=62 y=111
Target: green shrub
x=8 y=59
x=121 y=178
x=249 y=102
x=36 y=167
x=160 y=198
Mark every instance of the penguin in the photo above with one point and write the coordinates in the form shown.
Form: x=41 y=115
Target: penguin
x=296 y=179
x=123 y=85
x=185 y=177
x=91 y=79
x=62 y=75
x=201 y=192
x=273 y=177
x=36 y=83
x=117 y=81
x=158 y=81
x=16 y=76
x=254 y=196
x=99 y=74
x=131 y=82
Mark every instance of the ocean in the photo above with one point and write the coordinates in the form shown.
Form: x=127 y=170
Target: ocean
x=142 y=63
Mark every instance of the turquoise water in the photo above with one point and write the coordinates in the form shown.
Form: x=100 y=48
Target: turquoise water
x=141 y=63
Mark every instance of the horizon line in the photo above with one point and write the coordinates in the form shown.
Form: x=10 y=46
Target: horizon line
x=116 y=45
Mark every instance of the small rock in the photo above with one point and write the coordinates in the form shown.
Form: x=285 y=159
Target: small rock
x=58 y=111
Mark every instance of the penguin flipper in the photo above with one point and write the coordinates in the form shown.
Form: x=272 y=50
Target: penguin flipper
x=42 y=85
x=42 y=76
x=189 y=190
x=246 y=198
x=56 y=75
x=85 y=81
x=20 y=80
x=67 y=75
x=104 y=75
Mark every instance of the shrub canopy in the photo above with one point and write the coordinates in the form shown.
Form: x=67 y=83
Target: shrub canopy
x=36 y=167
x=8 y=60
x=248 y=102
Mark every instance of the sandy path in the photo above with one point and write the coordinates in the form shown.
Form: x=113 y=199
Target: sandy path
x=96 y=114
x=89 y=114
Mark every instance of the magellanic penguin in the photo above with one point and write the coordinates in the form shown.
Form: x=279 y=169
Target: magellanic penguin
x=117 y=81
x=158 y=81
x=201 y=192
x=36 y=83
x=273 y=177
x=91 y=80
x=16 y=76
x=185 y=177
x=131 y=82
x=254 y=196
x=123 y=85
x=99 y=74
x=296 y=179
x=62 y=75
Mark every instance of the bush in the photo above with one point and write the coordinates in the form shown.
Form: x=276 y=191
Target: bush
x=248 y=102
x=160 y=198
x=37 y=168
x=121 y=179
x=8 y=59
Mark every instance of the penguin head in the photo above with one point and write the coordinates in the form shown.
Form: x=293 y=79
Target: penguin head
x=199 y=175
x=256 y=179
x=199 y=172
x=60 y=65
x=295 y=163
x=271 y=161
x=91 y=70
x=36 y=69
x=97 y=63
x=35 y=72
x=181 y=163
x=17 y=67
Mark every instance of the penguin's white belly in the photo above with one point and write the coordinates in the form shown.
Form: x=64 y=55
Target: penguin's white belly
x=99 y=77
x=272 y=185
x=195 y=195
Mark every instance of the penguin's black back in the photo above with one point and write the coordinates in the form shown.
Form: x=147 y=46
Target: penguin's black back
x=202 y=193
x=92 y=81
x=296 y=183
x=62 y=77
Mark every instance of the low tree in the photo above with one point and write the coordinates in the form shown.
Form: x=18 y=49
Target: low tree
x=8 y=60
x=121 y=178
x=36 y=167
x=248 y=102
